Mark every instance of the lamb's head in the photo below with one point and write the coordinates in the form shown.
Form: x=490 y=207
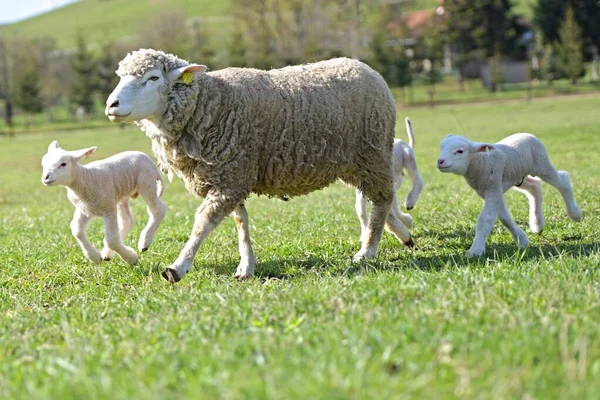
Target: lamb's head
x=59 y=165
x=147 y=78
x=456 y=152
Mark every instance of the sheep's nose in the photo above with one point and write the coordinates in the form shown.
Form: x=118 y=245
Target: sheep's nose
x=440 y=162
x=114 y=104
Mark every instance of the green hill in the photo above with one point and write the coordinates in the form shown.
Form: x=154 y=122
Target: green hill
x=103 y=20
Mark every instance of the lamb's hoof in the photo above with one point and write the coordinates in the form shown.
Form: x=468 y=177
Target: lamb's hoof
x=410 y=243
x=244 y=271
x=105 y=258
x=362 y=256
x=170 y=275
x=410 y=208
x=143 y=249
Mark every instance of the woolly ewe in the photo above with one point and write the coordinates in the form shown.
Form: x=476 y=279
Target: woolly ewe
x=281 y=133
x=102 y=189
x=404 y=158
x=492 y=169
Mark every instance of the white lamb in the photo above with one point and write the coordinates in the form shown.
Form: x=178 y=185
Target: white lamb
x=492 y=169
x=403 y=158
x=102 y=189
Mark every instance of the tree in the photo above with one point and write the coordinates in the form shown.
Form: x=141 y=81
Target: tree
x=482 y=29
x=550 y=14
x=569 y=47
x=237 y=49
x=85 y=78
x=107 y=63
x=550 y=68
x=28 y=94
x=5 y=89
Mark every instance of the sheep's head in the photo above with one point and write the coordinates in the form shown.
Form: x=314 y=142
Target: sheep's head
x=58 y=165
x=456 y=152
x=147 y=77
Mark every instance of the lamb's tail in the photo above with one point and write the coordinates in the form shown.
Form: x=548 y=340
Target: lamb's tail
x=410 y=132
x=160 y=184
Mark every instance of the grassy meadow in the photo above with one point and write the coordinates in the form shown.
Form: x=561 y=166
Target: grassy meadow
x=422 y=323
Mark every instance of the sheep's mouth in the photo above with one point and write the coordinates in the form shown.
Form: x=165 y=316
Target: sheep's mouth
x=113 y=117
x=48 y=183
x=444 y=167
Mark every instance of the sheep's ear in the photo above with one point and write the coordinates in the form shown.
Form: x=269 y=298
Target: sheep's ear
x=482 y=147
x=53 y=146
x=186 y=74
x=83 y=153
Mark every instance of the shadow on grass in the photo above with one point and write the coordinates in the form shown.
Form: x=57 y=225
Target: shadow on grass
x=290 y=268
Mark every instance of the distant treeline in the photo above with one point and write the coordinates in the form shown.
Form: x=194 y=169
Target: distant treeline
x=36 y=76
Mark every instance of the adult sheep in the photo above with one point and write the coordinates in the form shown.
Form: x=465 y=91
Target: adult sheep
x=281 y=133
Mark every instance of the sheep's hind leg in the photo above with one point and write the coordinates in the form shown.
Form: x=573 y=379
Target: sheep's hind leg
x=157 y=210
x=561 y=181
x=113 y=240
x=125 y=219
x=532 y=188
x=382 y=202
x=518 y=234
x=360 y=206
x=210 y=213
x=247 y=261
x=78 y=226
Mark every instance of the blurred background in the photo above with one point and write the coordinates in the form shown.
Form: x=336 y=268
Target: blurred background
x=57 y=66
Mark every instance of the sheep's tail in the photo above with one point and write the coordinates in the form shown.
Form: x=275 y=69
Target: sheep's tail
x=160 y=184
x=410 y=132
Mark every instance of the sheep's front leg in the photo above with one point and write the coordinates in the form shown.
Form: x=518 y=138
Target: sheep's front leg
x=517 y=233
x=210 y=213
x=485 y=223
x=78 y=226
x=114 y=242
x=248 y=261
x=125 y=218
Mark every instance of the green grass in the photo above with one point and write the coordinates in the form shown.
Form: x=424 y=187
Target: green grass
x=426 y=323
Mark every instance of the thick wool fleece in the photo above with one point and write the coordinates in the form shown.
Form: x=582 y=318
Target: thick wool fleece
x=283 y=132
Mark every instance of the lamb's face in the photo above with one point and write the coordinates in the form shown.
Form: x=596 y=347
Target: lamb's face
x=57 y=168
x=138 y=97
x=58 y=165
x=455 y=155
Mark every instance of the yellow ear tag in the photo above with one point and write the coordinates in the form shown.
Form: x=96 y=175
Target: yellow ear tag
x=187 y=77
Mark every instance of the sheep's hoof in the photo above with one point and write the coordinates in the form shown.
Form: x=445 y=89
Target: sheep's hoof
x=144 y=249
x=410 y=243
x=170 y=275
x=105 y=258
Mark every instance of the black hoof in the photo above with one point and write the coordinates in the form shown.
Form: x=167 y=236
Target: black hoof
x=409 y=208
x=144 y=249
x=106 y=258
x=170 y=275
x=410 y=243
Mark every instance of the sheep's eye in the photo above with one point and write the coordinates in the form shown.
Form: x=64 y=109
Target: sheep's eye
x=459 y=151
x=153 y=78
x=63 y=164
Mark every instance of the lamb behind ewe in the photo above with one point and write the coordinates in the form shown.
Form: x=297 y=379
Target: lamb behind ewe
x=281 y=133
x=102 y=189
x=492 y=169
x=403 y=158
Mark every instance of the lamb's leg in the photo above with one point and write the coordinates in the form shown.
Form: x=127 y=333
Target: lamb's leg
x=406 y=219
x=382 y=202
x=78 y=226
x=417 y=182
x=395 y=226
x=210 y=213
x=532 y=188
x=485 y=223
x=157 y=210
x=125 y=218
x=360 y=206
x=518 y=234
x=561 y=181
x=113 y=240
x=248 y=261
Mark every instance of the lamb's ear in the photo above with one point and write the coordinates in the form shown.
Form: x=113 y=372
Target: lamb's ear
x=83 y=153
x=481 y=147
x=186 y=73
x=53 y=146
